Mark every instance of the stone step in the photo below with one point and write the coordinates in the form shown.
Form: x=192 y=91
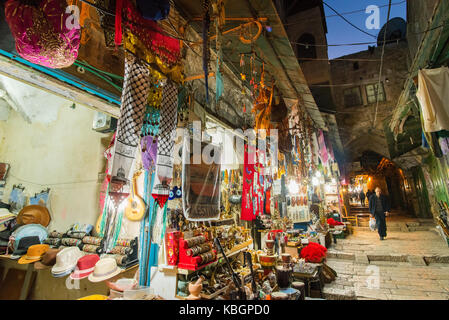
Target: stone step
x=330 y=293
x=373 y=257
x=366 y=228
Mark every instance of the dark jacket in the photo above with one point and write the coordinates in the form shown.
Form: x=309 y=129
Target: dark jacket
x=372 y=203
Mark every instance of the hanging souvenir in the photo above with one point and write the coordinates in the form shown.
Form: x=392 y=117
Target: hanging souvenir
x=247 y=212
x=147 y=38
x=44 y=33
x=149 y=151
x=167 y=134
x=107 y=22
x=201 y=182
x=206 y=52
x=134 y=98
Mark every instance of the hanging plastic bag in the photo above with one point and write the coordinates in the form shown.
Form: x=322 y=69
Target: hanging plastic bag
x=372 y=224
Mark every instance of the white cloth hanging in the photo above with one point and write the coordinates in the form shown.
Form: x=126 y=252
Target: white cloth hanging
x=433 y=96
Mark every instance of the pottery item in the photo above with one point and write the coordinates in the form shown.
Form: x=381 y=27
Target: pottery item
x=195 y=289
x=267 y=260
x=279 y=296
x=293 y=294
x=283 y=276
x=286 y=257
x=269 y=244
x=301 y=287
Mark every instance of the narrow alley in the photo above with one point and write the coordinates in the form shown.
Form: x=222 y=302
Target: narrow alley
x=412 y=263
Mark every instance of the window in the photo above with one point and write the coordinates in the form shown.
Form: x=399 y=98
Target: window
x=352 y=97
x=306 y=47
x=371 y=90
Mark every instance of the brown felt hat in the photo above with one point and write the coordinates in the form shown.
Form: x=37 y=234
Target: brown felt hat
x=48 y=259
x=34 y=214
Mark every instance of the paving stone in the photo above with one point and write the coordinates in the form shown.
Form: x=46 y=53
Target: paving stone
x=436 y=259
x=338 y=294
x=407 y=297
x=427 y=289
x=361 y=259
x=403 y=272
x=417 y=260
x=406 y=292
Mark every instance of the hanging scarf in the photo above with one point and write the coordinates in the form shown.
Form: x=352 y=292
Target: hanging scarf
x=167 y=135
x=111 y=222
x=134 y=99
x=150 y=34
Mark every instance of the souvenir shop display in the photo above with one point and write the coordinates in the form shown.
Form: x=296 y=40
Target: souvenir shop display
x=173 y=220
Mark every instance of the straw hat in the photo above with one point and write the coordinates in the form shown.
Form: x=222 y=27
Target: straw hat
x=66 y=260
x=104 y=269
x=48 y=259
x=34 y=253
x=85 y=266
x=35 y=214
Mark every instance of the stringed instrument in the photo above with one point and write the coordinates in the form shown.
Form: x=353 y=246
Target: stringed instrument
x=135 y=208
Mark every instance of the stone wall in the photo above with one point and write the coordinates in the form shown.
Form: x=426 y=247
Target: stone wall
x=356 y=122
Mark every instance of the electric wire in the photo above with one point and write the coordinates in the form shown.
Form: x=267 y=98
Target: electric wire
x=376 y=91
x=343 y=13
x=353 y=25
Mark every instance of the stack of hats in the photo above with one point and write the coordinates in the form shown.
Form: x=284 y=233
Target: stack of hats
x=34 y=253
x=25 y=236
x=66 y=261
x=85 y=266
x=48 y=259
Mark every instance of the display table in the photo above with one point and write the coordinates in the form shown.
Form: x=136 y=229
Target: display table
x=41 y=285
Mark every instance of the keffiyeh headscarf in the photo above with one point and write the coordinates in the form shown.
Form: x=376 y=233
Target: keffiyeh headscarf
x=166 y=141
x=134 y=99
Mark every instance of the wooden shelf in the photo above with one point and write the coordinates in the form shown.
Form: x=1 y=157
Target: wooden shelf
x=237 y=249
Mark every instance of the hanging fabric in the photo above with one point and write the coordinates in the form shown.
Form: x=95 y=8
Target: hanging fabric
x=167 y=135
x=107 y=22
x=44 y=33
x=134 y=99
x=150 y=35
x=330 y=148
x=433 y=96
x=323 y=150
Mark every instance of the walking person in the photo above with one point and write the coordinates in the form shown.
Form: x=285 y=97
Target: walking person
x=362 y=198
x=379 y=207
x=369 y=193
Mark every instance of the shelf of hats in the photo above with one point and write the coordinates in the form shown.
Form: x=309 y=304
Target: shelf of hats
x=163 y=197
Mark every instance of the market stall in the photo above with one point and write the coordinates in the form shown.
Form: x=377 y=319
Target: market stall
x=190 y=206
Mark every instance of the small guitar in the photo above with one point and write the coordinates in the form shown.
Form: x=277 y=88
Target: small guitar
x=135 y=208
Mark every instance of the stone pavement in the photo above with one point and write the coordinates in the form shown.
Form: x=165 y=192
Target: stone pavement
x=407 y=265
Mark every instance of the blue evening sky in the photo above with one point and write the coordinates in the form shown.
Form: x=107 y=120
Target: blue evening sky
x=339 y=31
